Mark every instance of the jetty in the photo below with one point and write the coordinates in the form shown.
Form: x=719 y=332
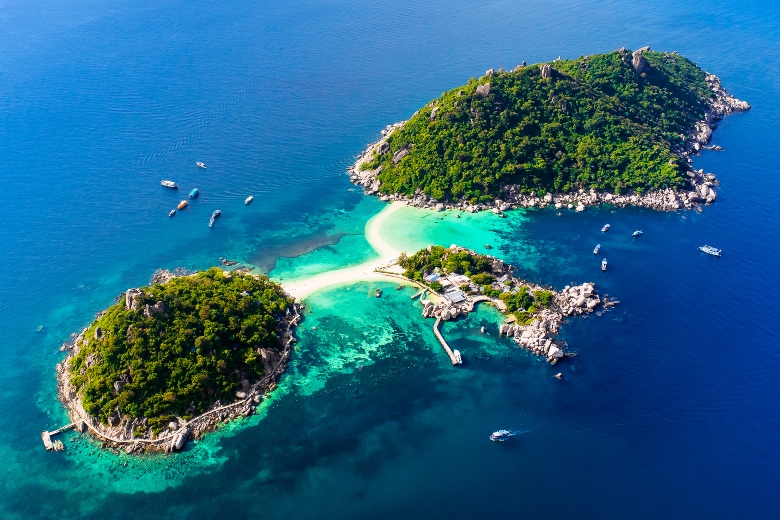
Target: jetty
x=454 y=356
x=420 y=293
x=51 y=445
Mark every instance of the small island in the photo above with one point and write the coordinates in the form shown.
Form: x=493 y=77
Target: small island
x=460 y=278
x=170 y=361
x=616 y=128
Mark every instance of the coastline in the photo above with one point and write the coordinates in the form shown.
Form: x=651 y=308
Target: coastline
x=701 y=184
x=366 y=271
x=179 y=432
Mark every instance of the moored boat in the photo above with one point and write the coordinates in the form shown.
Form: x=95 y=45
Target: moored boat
x=182 y=204
x=597 y=249
x=194 y=193
x=604 y=265
x=605 y=228
x=637 y=233
x=249 y=200
x=714 y=251
x=172 y=213
x=500 y=435
x=456 y=355
x=378 y=293
x=214 y=216
x=200 y=164
x=169 y=184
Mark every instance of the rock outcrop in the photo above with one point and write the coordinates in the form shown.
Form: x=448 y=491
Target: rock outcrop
x=639 y=62
x=484 y=90
x=546 y=70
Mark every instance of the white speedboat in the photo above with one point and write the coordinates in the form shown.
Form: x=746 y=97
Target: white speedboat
x=714 y=251
x=604 y=265
x=169 y=184
x=605 y=228
x=172 y=213
x=200 y=165
x=597 y=249
x=458 y=359
x=637 y=233
x=500 y=435
x=249 y=200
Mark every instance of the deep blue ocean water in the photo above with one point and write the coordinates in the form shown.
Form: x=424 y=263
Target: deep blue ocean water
x=670 y=408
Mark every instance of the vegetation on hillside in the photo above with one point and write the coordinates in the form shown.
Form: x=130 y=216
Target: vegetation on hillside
x=595 y=123
x=180 y=361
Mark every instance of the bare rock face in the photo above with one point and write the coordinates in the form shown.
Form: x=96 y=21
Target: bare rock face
x=162 y=276
x=153 y=310
x=484 y=90
x=179 y=439
x=400 y=154
x=639 y=62
x=546 y=71
x=489 y=72
x=133 y=299
x=433 y=113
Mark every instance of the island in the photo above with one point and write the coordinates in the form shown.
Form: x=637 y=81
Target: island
x=170 y=361
x=617 y=128
x=459 y=278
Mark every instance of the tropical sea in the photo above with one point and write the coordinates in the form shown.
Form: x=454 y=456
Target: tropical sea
x=668 y=410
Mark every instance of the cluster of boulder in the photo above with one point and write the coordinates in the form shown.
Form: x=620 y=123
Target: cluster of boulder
x=444 y=310
x=700 y=185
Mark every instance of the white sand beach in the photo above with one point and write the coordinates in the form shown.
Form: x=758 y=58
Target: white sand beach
x=366 y=271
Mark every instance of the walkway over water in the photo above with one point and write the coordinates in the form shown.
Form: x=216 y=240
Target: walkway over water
x=454 y=356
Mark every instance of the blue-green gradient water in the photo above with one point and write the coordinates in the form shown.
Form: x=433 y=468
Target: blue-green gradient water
x=669 y=410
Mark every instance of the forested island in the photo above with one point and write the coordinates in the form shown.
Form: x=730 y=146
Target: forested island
x=461 y=278
x=171 y=360
x=617 y=127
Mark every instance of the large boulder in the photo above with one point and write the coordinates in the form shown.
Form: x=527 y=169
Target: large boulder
x=133 y=299
x=400 y=154
x=153 y=310
x=179 y=439
x=484 y=90
x=639 y=62
x=546 y=70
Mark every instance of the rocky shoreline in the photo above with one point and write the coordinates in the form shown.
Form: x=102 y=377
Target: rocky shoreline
x=701 y=185
x=538 y=336
x=120 y=433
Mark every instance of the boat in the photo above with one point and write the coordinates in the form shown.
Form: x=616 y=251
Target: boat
x=399 y=287
x=172 y=213
x=200 y=165
x=597 y=249
x=182 y=204
x=488 y=246
x=456 y=355
x=605 y=228
x=714 y=251
x=169 y=184
x=249 y=200
x=637 y=233
x=604 y=265
x=378 y=293
x=214 y=216
x=559 y=375
x=500 y=435
x=194 y=193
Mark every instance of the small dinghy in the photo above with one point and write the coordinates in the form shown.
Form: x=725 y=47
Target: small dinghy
x=249 y=200
x=604 y=265
x=597 y=249
x=194 y=193
x=200 y=165
x=172 y=213
x=637 y=233
x=605 y=228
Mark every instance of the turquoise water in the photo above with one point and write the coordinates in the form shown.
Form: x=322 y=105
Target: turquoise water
x=668 y=410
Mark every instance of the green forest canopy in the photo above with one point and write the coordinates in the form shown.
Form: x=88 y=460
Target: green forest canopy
x=595 y=123
x=179 y=362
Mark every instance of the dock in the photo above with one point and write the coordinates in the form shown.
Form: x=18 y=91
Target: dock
x=51 y=445
x=419 y=293
x=454 y=356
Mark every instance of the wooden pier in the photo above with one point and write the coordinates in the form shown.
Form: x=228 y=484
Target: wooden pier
x=419 y=293
x=51 y=445
x=454 y=356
